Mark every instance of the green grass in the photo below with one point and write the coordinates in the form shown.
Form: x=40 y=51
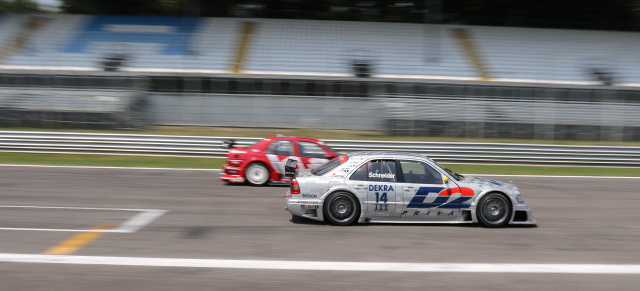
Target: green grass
x=544 y=170
x=178 y=162
x=109 y=161
x=207 y=163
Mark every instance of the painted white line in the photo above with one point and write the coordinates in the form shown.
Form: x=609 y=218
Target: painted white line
x=132 y=225
x=99 y=167
x=75 y=208
x=139 y=221
x=326 y=266
x=552 y=176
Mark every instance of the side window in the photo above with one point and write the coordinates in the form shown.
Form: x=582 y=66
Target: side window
x=420 y=173
x=361 y=173
x=382 y=171
x=281 y=148
x=311 y=150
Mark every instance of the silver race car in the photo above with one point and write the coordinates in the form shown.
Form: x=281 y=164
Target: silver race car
x=390 y=187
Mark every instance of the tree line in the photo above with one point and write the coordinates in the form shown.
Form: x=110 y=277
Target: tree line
x=585 y=14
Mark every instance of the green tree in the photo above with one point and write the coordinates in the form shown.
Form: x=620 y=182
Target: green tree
x=120 y=7
x=18 y=6
x=588 y=14
x=150 y=7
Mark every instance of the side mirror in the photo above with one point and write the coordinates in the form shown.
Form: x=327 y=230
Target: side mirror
x=290 y=168
x=446 y=180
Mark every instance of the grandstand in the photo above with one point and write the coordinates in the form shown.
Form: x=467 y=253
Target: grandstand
x=319 y=48
x=404 y=78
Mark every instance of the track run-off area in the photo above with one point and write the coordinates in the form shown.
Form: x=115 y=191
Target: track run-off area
x=79 y=228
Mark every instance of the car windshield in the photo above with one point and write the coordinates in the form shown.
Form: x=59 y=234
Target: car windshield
x=450 y=172
x=329 y=148
x=328 y=166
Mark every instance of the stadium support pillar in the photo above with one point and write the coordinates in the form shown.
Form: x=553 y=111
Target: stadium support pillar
x=16 y=43
x=242 y=47
x=469 y=47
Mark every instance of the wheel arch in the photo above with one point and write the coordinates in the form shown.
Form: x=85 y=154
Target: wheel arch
x=474 y=214
x=359 y=200
x=256 y=161
x=342 y=189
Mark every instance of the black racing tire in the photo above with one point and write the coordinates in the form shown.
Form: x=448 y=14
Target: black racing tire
x=494 y=210
x=256 y=174
x=341 y=208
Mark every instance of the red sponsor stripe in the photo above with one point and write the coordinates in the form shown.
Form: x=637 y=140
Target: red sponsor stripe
x=464 y=191
x=467 y=191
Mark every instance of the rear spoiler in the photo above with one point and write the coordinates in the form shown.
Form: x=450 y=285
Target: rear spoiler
x=290 y=168
x=227 y=144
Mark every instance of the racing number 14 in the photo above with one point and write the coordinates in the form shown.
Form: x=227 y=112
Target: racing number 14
x=383 y=198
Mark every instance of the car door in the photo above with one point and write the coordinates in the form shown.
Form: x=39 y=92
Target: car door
x=278 y=152
x=427 y=195
x=311 y=154
x=378 y=179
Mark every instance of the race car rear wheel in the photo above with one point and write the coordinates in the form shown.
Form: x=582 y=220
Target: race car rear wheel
x=257 y=174
x=341 y=208
x=494 y=210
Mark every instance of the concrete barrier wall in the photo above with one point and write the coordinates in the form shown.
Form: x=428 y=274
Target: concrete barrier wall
x=354 y=113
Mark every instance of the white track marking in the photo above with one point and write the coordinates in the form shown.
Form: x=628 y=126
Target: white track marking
x=327 y=266
x=139 y=221
x=98 y=167
x=132 y=225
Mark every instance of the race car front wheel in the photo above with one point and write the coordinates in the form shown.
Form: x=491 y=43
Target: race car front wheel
x=494 y=210
x=341 y=208
x=257 y=174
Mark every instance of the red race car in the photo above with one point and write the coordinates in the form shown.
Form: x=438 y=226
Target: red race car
x=264 y=161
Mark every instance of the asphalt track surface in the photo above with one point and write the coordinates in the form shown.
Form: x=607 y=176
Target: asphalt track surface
x=580 y=221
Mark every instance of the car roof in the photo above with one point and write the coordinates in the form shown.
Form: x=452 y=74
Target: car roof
x=290 y=138
x=385 y=154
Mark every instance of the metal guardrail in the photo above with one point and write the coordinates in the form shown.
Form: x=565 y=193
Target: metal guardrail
x=210 y=147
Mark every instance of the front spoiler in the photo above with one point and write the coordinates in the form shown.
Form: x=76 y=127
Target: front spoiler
x=517 y=208
x=232 y=179
x=522 y=208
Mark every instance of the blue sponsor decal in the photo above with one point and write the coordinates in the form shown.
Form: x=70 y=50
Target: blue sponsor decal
x=174 y=33
x=440 y=202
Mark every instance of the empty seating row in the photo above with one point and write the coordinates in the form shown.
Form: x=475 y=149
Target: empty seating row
x=323 y=48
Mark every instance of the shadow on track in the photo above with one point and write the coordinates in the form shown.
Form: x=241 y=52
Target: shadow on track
x=301 y=220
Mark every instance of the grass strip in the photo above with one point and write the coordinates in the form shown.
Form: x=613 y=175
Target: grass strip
x=109 y=160
x=209 y=163
x=544 y=170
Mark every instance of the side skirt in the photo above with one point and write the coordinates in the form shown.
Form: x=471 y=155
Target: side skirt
x=416 y=221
